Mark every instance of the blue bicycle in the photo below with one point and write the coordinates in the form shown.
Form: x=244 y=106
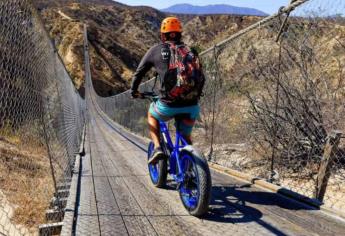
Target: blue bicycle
x=188 y=168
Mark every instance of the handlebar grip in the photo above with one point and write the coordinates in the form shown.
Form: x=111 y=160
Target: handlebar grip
x=148 y=94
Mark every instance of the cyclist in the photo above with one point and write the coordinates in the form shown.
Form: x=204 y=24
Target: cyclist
x=181 y=83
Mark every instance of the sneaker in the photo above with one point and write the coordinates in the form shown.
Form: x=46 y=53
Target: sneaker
x=156 y=155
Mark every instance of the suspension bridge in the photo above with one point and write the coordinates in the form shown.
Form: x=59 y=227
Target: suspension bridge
x=94 y=149
x=117 y=197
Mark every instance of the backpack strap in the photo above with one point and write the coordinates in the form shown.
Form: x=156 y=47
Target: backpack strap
x=155 y=83
x=173 y=52
x=168 y=46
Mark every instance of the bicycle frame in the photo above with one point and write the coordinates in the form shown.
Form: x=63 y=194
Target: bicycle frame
x=175 y=155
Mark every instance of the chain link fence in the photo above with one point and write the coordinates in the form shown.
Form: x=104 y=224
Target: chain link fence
x=277 y=98
x=41 y=121
x=273 y=105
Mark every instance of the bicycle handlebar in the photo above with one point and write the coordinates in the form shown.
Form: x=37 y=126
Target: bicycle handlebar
x=148 y=94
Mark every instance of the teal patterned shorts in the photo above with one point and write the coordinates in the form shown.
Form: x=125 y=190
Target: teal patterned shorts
x=163 y=112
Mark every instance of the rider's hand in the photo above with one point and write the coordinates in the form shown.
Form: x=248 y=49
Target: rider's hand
x=135 y=94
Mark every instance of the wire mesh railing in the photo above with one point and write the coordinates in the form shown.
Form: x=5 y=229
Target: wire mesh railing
x=41 y=121
x=277 y=92
x=273 y=103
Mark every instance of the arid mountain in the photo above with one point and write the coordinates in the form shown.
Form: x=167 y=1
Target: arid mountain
x=213 y=9
x=119 y=36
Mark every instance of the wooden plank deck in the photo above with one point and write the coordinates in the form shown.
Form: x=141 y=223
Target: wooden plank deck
x=117 y=198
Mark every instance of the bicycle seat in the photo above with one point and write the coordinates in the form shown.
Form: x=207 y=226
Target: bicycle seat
x=183 y=116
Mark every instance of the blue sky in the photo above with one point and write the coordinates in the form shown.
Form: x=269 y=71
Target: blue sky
x=268 y=6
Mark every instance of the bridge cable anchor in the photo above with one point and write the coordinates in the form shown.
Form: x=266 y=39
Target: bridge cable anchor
x=284 y=26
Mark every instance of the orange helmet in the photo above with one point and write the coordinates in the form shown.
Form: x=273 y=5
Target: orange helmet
x=171 y=24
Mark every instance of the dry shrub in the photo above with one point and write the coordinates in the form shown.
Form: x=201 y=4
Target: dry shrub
x=26 y=181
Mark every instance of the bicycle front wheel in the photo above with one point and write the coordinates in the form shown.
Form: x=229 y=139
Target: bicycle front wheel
x=158 y=171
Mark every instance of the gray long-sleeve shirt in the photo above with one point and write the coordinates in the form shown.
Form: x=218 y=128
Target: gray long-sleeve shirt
x=157 y=57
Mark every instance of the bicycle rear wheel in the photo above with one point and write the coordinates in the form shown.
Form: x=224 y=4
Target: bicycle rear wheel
x=158 y=172
x=195 y=191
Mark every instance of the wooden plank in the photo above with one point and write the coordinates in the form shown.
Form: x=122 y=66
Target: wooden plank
x=112 y=225
x=168 y=225
x=150 y=203
x=88 y=225
x=135 y=220
x=106 y=202
x=125 y=160
x=97 y=167
x=139 y=225
x=112 y=221
x=126 y=202
x=87 y=219
x=87 y=204
x=106 y=155
x=326 y=164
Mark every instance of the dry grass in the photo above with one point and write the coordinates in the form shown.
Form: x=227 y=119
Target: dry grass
x=25 y=178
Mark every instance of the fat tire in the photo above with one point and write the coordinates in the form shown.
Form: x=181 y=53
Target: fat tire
x=205 y=186
x=163 y=174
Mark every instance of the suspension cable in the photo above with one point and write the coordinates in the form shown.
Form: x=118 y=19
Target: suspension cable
x=287 y=9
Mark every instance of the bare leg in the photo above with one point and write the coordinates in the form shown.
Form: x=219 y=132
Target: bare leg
x=154 y=129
